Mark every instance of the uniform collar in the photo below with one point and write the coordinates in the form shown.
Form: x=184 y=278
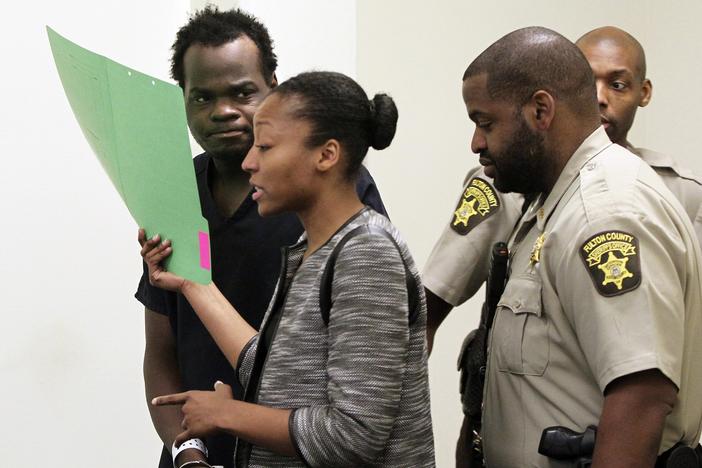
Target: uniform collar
x=653 y=158
x=542 y=209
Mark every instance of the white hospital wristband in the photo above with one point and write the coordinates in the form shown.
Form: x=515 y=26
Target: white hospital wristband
x=196 y=444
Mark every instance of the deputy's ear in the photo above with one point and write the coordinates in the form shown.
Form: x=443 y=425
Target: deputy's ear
x=540 y=110
x=646 y=93
x=329 y=155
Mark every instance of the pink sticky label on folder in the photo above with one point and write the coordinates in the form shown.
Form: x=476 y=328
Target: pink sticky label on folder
x=204 y=250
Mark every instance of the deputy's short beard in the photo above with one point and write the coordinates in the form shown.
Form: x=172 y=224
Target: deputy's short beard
x=520 y=167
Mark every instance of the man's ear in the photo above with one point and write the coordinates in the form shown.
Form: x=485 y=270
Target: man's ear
x=646 y=93
x=329 y=155
x=540 y=110
x=274 y=81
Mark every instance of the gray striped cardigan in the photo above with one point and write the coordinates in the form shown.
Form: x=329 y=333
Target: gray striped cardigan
x=358 y=387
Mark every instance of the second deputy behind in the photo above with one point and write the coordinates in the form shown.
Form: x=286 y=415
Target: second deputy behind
x=618 y=62
x=337 y=375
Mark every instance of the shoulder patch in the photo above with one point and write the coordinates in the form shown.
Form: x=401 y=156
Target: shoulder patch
x=478 y=203
x=612 y=260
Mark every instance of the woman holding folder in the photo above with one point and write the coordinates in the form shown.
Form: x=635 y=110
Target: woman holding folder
x=337 y=374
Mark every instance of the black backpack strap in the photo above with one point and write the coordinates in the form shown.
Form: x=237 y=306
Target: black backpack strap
x=325 y=301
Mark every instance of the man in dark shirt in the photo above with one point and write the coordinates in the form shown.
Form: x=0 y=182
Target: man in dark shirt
x=225 y=64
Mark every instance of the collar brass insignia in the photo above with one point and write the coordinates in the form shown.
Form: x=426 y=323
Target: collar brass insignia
x=536 y=249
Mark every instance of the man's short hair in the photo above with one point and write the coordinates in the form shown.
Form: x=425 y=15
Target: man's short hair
x=537 y=58
x=211 y=27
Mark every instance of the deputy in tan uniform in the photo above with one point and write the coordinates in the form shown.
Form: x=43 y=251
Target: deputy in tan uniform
x=458 y=264
x=619 y=64
x=600 y=320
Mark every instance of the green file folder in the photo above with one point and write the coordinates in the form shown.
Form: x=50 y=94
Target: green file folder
x=136 y=126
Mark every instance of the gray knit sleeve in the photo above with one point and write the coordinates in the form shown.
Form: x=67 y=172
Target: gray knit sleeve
x=245 y=364
x=368 y=338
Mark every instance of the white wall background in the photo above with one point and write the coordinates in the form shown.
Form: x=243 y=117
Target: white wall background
x=72 y=337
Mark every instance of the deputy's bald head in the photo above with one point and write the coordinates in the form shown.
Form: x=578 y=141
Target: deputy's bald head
x=619 y=65
x=612 y=38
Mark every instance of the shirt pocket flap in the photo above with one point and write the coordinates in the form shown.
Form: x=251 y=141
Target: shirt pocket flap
x=522 y=295
x=520 y=339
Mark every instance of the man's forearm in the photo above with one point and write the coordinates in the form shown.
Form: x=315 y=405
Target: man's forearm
x=158 y=381
x=632 y=420
x=162 y=377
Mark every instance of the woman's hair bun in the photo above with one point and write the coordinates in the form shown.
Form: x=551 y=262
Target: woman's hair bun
x=383 y=121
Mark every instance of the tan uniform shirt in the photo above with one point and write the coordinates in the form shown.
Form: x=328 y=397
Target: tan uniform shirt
x=458 y=264
x=684 y=184
x=604 y=282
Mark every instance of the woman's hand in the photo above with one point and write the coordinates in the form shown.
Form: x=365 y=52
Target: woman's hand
x=201 y=410
x=154 y=252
